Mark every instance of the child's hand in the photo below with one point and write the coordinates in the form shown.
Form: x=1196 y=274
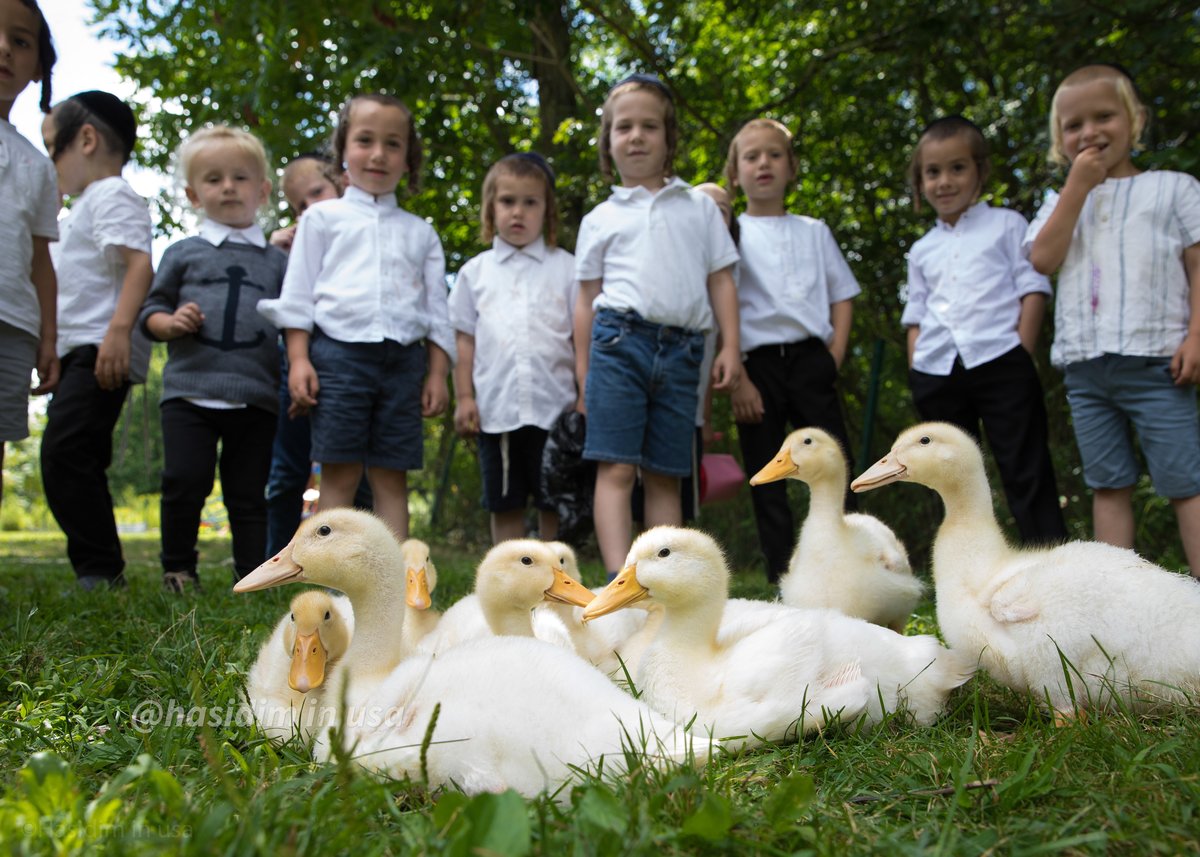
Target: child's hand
x=283 y=238
x=435 y=395
x=1088 y=170
x=466 y=417
x=112 y=360
x=747 y=403
x=187 y=319
x=303 y=387
x=1185 y=363
x=727 y=370
x=48 y=367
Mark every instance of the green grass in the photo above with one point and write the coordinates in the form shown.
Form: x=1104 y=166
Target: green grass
x=80 y=776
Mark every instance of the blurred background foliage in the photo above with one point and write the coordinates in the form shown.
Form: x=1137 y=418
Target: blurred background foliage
x=855 y=81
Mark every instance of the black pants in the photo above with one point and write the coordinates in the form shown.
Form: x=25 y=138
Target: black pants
x=798 y=385
x=76 y=453
x=1004 y=394
x=190 y=436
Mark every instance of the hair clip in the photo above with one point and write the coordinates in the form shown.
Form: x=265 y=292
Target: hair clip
x=648 y=80
x=538 y=161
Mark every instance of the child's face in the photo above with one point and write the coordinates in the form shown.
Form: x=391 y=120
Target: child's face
x=304 y=183
x=19 y=31
x=376 y=147
x=764 y=169
x=949 y=176
x=1091 y=115
x=638 y=138
x=227 y=183
x=519 y=209
x=71 y=162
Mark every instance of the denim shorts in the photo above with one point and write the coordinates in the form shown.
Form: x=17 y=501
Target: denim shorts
x=369 y=402
x=18 y=357
x=642 y=393
x=511 y=476
x=1112 y=393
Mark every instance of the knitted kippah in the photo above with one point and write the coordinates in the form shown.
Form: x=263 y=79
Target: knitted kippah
x=113 y=112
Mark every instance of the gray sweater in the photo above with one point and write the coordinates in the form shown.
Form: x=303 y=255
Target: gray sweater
x=234 y=356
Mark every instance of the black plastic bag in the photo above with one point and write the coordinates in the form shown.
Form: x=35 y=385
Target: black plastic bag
x=568 y=481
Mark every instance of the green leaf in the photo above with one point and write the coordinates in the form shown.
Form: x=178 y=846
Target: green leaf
x=600 y=809
x=712 y=820
x=788 y=800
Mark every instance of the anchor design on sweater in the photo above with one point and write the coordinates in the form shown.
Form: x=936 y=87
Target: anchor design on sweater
x=235 y=276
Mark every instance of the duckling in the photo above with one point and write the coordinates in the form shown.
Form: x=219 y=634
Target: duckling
x=306 y=644
x=510 y=712
x=851 y=563
x=1125 y=627
x=773 y=672
x=420 y=577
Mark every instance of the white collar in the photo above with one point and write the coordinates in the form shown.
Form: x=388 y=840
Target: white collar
x=357 y=194
x=966 y=215
x=217 y=234
x=535 y=249
x=621 y=192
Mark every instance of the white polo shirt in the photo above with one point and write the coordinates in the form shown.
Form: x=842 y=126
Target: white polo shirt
x=365 y=270
x=107 y=216
x=965 y=284
x=29 y=187
x=1122 y=288
x=654 y=252
x=518 y=303
x=791 y=271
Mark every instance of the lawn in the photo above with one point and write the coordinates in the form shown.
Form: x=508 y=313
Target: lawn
x=83 y=774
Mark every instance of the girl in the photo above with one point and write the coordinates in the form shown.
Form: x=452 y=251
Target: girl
x=511 y=308
x=364 y=313
x=28 y=330
x=103 y=266
x=654 y=265
x=794 y=302
x=1127 y=318
x=975 y=308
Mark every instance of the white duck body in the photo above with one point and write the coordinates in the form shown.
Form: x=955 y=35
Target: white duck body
x=284 y=692
x=513 y=712
x=420 y=581
x=852 y=563
x=1126 y=626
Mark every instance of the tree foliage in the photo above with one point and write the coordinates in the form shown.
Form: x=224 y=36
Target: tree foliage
x=855 y=81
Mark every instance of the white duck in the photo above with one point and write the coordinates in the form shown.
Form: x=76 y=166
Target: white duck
x=1127 y=627
x=769 y=672
x=510 y=712
x=284 y=685
x=851 y=563
x=420 y=581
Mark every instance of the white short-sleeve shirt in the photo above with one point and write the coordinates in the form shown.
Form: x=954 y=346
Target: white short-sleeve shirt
x=965 y=284
x=1122 y=288
x=365 y=270
x=791 y=271
x=518 y=303
x=654 y=252
x=29 y=187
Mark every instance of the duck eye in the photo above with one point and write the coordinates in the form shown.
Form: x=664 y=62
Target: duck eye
x=525 y=560
x=326 y=615
x=665 y=552
x=323 y=530
x=808 y=441
x=293 y=617
x=925 y=440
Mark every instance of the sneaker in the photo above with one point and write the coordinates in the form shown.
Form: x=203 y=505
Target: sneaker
x=92 y=582
x=181 y=582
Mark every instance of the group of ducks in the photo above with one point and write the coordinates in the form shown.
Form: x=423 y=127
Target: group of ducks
x=526 y=681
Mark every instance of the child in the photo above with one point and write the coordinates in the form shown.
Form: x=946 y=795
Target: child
x=1127 y=317
x=364 y=313
x=975 y=307
x=28 y=328
x=222 y=372
x=307 y=179
x=104 y=271
x=511 y=308
x=794 y=296
x=654 y=265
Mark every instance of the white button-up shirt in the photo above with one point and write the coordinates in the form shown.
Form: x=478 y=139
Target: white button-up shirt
x=654 y=252
x=1122 y=288
x=29 y=186
x=965 y=284
x=365 y=270
x=518 y=303
x=791 y=271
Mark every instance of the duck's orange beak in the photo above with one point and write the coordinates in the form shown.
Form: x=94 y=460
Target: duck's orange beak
x=309 y=657
x=885 y=470
x=567 y=590
x=276 y=571
x=779 y=467
x=416 y=589
x=623 y=591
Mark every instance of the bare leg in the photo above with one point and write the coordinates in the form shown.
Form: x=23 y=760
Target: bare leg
x=508 y=525
x=338 y=483
x=614 y=518
x=547 y=525
x=390 y=488
x=1112 y=516
x=662 y=500
x=1187 y=512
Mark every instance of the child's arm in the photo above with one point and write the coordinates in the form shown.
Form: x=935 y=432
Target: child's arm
x=1052 y=242
x=303 y=385
x=165 y=326
x=914 y=331
x=435 y=394
x=1029 y=323
x=722 y=294
x=466 y=411
x=589 y=290
x=1185 y=363
x=45 y=283
x=841 y=315
x=284 y=238
x=112 y=359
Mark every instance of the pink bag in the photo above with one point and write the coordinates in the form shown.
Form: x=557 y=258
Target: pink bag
x=721 y=477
